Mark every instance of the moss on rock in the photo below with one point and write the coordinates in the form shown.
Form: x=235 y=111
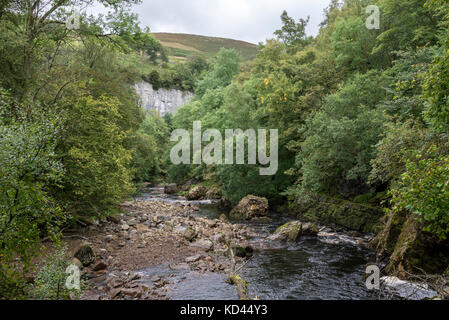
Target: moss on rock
x=341 y=213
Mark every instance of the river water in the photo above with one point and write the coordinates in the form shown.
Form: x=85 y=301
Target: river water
x=331 y=266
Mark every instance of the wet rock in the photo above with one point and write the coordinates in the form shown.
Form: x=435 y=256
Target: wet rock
x=309 y=229
x=289 y=232
x=180 y=266
x=190 y=234
x=213 y=194
x=250 y=207
x=85 y=255
x=171 y=188
x=196 y=193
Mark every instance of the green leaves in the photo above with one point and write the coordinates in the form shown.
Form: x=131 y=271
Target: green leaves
x=423 y=189
x=28 y=165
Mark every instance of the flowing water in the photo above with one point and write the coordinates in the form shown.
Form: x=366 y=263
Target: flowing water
x=331 y=266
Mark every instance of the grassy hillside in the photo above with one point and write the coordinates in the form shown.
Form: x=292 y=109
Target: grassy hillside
x=180 y=45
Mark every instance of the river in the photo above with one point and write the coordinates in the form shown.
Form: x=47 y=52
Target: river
x=328 y=267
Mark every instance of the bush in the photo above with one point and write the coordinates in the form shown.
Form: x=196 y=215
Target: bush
x=50 y=281
x=28 y=136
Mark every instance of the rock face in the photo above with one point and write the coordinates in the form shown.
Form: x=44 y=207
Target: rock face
x=162 y=100
x=340 y=214
x=196 y=193
x=250 y=207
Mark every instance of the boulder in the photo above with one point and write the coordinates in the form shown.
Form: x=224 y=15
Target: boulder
x=309 y=229
x=289 y=232
x=196 y=193
x=213 y=194
x=190 y=234
x=85 y=255
x=171 y=188
x=203 y=244
x=250 y=207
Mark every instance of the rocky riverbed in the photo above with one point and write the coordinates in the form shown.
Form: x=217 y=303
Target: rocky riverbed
x=166 y=247
x=151 y=233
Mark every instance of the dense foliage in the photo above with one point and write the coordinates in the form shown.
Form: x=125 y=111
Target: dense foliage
x=359 y=112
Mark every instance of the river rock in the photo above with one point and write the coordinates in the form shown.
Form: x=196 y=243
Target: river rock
x=194 y=258
x=171 y=188
x=85 y=255
x=196 y=193
x=213 y=194
x=190 y=234
x=203 y=244
x=289 y=232
x=309 y=229
x=250 y=207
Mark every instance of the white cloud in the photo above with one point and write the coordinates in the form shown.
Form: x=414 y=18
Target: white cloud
x=249 y=20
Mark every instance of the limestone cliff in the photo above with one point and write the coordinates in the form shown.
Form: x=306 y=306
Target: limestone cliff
x=162 y=100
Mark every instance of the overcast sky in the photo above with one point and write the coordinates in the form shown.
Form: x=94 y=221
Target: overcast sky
x=249 y=20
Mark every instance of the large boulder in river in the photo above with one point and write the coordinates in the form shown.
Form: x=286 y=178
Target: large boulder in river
x=309 y=229
x=196 y=193
x=289 y=232
x=171 y=188
x=213 y=194
x=250 y=207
